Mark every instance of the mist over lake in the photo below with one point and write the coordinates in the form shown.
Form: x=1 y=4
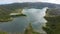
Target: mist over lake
x=18 y=24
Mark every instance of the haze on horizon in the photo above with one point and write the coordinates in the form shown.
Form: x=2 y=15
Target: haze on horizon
x=21 y=1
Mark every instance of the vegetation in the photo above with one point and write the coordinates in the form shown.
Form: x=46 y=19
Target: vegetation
x=53 y=12
x=5 y=14
x=53 y=23
x=3 y=32
x=29 y=30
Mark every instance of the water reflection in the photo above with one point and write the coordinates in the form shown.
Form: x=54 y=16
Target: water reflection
x=35 y=16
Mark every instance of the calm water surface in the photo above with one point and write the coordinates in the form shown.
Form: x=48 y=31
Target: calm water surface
x=34 y=16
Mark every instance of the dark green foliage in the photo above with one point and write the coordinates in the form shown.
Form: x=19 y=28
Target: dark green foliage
x=53 y=23
x=48 y=30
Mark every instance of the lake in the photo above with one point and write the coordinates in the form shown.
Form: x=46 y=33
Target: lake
x=18 y=24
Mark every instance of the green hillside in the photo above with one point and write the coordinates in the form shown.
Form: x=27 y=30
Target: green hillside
x=5 y=14
x=53 y=21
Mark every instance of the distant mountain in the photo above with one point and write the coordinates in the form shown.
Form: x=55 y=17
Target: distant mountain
x=30 y=5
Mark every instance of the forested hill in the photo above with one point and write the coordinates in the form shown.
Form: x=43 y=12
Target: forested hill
x=30 y=5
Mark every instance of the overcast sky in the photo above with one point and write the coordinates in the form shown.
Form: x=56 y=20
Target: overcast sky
x=12 y=1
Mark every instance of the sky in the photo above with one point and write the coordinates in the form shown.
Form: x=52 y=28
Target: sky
x=20 y=1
